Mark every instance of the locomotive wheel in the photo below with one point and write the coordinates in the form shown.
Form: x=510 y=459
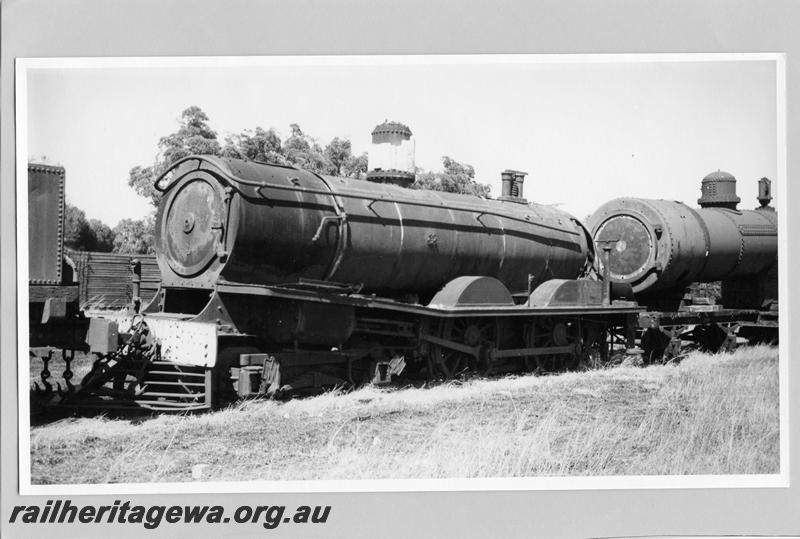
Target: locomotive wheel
x=593 y=352
x=473 y=332
x=548 y=332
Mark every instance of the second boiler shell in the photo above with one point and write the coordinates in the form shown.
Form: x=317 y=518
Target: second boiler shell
x=662 y=244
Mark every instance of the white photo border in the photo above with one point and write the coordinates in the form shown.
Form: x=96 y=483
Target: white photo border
x=779 y=480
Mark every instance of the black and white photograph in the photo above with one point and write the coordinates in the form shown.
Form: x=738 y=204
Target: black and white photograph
x=402 y=268
x=382 y=269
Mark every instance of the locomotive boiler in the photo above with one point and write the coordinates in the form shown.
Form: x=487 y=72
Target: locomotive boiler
x=660 y=246
x=247 y=222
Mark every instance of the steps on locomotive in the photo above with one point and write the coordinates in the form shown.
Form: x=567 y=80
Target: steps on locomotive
x=157 y=385
x=168 y=385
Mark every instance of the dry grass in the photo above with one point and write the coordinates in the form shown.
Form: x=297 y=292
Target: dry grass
x=709 y=415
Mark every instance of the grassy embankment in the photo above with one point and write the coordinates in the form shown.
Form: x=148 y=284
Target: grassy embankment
x=708 y=415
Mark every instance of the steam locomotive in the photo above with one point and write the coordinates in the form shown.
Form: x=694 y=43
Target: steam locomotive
x=277 y=280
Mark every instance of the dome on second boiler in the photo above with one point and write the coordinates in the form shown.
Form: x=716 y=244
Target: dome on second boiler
x=718 y=189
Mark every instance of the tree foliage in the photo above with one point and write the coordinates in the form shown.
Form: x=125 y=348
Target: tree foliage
x=103 y=234
x=134 y=236
x=129 y=236
x=355 y=166
x=304 y=152
x=84 y=234
x=298 y=149
x=255 y=145
x=339 y=154
x=77 y=233
x=142 y=179
x=455 y=178
x=194 y=136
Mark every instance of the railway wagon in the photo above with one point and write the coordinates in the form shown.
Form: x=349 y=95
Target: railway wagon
x=61 y=282
x=113 y=281
x=55 y=321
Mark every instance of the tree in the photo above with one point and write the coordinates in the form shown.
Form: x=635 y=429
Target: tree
x=194 y=136
x=456 y=178
x=261 y=145
x=355 y=167
x=142 y=180
x=302 y=151
x=83 y=234
x=104 y=236
x=339 y=153
x=134 y=236
x=78 y=234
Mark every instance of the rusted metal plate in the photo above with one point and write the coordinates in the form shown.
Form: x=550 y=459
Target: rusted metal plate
x=470 y=291
x=102 y=336
x=193 y=227
x=184 y=342
x=567 y=292
x=45 y=223
x=632 y=247
x=40 y=293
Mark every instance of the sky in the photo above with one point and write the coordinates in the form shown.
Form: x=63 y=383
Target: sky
x=585 y=131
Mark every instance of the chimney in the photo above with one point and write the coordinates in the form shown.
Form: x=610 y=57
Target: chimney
x=764 y=192
x=512 y=182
